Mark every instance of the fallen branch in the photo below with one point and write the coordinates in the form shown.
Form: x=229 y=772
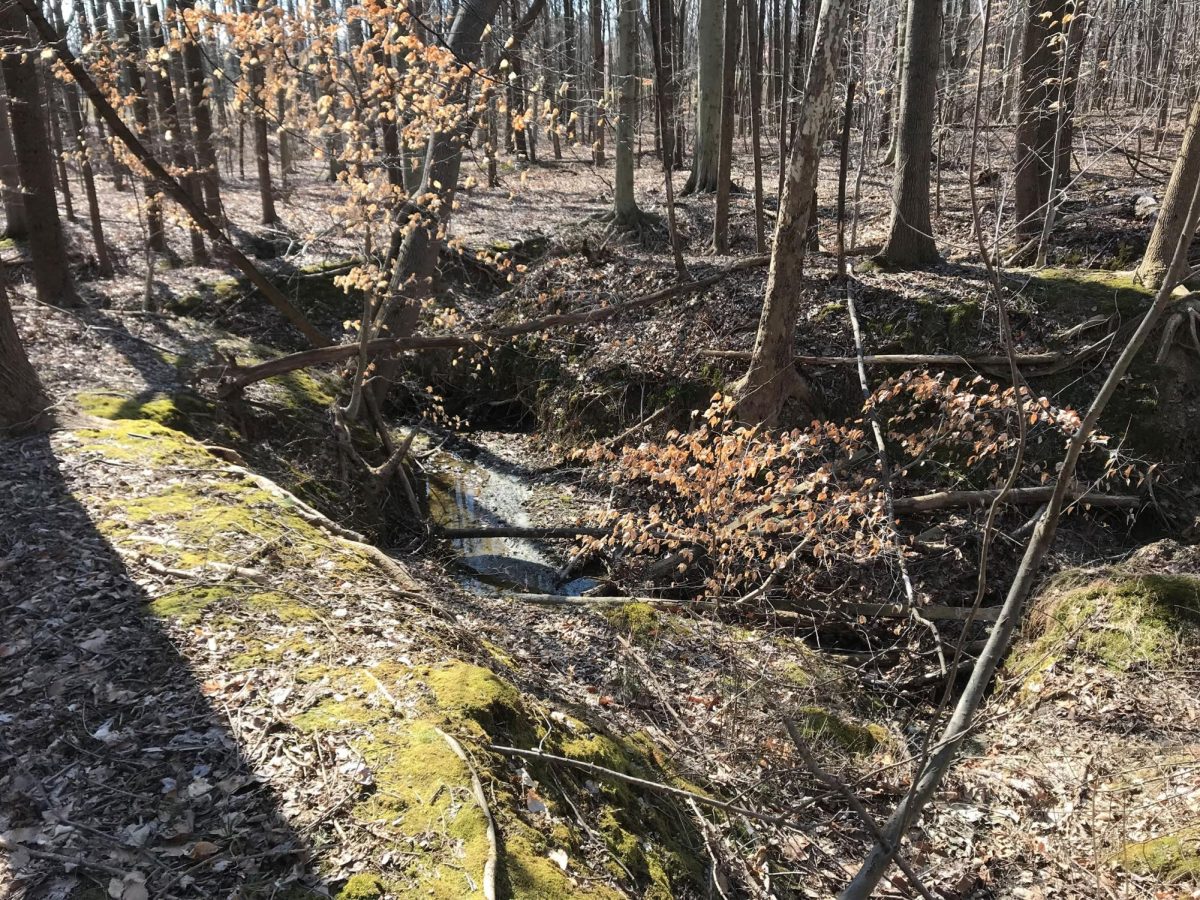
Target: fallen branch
x=614 y=443
x=904 y=359
x=1017 y=496
x=801 y=610
x=656 y=786
x=583 y=600
x=493 y=859
x=513 y=531
x=170 y=185
x=233 y=378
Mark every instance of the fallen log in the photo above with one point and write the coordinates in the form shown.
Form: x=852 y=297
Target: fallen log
x=903 y=359
x=1017 y=496
x=513 y=531
x=233 y=378
x=805 y=611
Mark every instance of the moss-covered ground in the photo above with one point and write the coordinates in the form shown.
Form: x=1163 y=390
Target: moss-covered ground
x=247 y=574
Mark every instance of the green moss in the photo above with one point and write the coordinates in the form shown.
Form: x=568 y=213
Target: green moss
x=226 y=288
x=822 y=725
x=953 y=324
x=362 y=887
x=331 y=715
x=829 y=311
x=1071 y=291
x=475 y=699
x=795 y=673
x=146 y=442
x=1121 y=620
x=640 y=621
x=188 y=605
x=300 y=391
x=1172 y=857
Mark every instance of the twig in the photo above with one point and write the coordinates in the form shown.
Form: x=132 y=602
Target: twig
x=493 y=860
x=656 y=786
x=1016 y=496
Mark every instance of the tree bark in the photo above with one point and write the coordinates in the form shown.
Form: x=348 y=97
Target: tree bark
x=597 y=13
x=15 y=225
x=755 y=48
x=206 y=154
x=910 y=240
x=771 y=379
x=662 y=30
x=23 y=403
x=733 y=24
x=1037 y=117
x=47 y=244
x=168 y=109
x=1175 y=218
x=625 y=209
x=141 y=112
x=705 y=158
x=415 y=264
x=262 y=151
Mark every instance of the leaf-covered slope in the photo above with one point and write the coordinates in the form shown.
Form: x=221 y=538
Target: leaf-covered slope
x=207 y=690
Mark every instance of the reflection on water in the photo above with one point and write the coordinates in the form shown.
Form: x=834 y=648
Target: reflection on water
x=464 y=494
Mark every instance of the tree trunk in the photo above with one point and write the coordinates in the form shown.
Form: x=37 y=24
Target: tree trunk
x=893 y=100
x=127 y=18
x=1077 y=32
x=15 y=225
x=597 y=11
x=262 y=150
x=733 y=24
x=415 y=264
x=570 y=69
x=772 y=379
x=168 y=109
x=206 y=154
x=47 y=245
x=910 y=240
x=1037 y=116
x=625 y=209
x=754 y=45
x=1173 y=219
x=706 y=157
x=23 y=403
x=662 y=30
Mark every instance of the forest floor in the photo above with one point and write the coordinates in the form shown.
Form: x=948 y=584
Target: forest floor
x=178 y=728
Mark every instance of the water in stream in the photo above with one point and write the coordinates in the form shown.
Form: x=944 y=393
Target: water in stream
x=467 y=494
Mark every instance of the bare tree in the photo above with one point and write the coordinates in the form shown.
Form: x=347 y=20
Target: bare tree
x=1175 y=219
x=771 y=379
x=910 y=235
x=47 y=244
x=23 y=403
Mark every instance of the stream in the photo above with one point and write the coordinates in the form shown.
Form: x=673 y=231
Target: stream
x=490 y=491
